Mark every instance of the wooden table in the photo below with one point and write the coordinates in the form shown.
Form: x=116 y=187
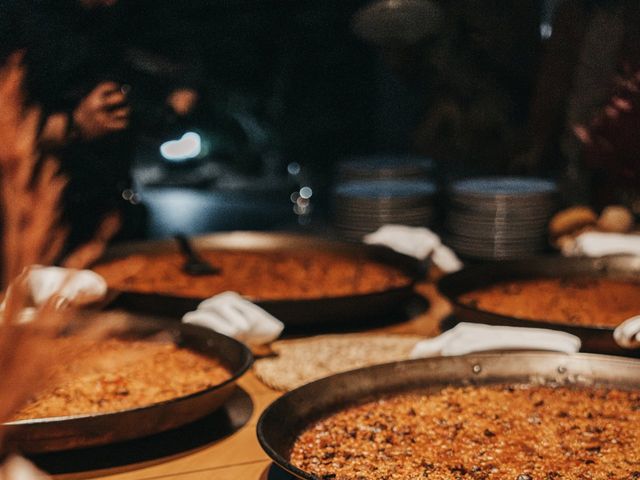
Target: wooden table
x=239 y=456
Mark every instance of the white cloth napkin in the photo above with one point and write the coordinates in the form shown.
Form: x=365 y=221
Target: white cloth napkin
x=17 y=468
x=467 y=338
x=81 y=287
x=230 y=314
x=627 y=334
x=417 y=242
x=598 y=244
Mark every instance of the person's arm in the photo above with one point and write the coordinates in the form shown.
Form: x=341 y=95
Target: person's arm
x=103 y=111
x=54 y=133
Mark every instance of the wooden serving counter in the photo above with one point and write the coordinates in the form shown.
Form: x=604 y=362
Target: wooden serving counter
x=235 y=455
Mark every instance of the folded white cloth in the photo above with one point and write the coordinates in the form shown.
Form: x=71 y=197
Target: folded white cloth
x=17 y=468
x=598 y=244
x=467 y=338
x=627 y=334
x=81 y=287
x=230 y=314
x=417 y=242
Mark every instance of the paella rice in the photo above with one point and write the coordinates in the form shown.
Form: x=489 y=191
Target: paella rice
x=260 y=275
x=118 y=374
x=515 y=432
x=580 y=301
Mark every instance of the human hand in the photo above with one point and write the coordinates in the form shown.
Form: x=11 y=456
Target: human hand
x=183 y=100
x=103 y=111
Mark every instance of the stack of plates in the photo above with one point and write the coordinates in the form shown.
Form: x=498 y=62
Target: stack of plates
x=500 y=217
x=361 y=207
x=384 y=167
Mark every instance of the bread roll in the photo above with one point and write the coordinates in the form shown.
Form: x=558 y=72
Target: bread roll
x=568 y=221
x=616 y=218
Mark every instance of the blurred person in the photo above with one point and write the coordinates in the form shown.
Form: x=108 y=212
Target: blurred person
x=484 y=68
x=585 y=122
x=96 y=98
x=476 y=69
x=72 y=50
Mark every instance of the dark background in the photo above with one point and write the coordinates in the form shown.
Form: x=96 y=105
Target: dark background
x=281 y=82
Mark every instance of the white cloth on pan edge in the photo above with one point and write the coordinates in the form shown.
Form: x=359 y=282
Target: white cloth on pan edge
x=78 y=286
x=17 y=468
x=417 y=242
x=627 y=334
x=599 y=244
x=230 y=314
x=467 y=338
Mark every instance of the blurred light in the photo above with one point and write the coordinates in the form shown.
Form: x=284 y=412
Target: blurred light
x=545 y=31
x=189 y=146
x=130 y=196
x=302 y=210
x=127 y=194
x=293 y=168
x=306 y=192
x=294 y=197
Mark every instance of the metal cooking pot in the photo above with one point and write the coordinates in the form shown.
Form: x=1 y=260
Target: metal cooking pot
x=293 y=312
x=287 y=417
x=78 y=431
x=595 y=339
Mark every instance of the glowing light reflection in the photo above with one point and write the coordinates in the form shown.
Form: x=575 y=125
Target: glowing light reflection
x=187 y=147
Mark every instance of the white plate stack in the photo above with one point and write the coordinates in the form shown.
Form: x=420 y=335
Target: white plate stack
x=500 y=217
x=363 y=206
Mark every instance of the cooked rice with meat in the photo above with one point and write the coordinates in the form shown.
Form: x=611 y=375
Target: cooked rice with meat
x=116 y=374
